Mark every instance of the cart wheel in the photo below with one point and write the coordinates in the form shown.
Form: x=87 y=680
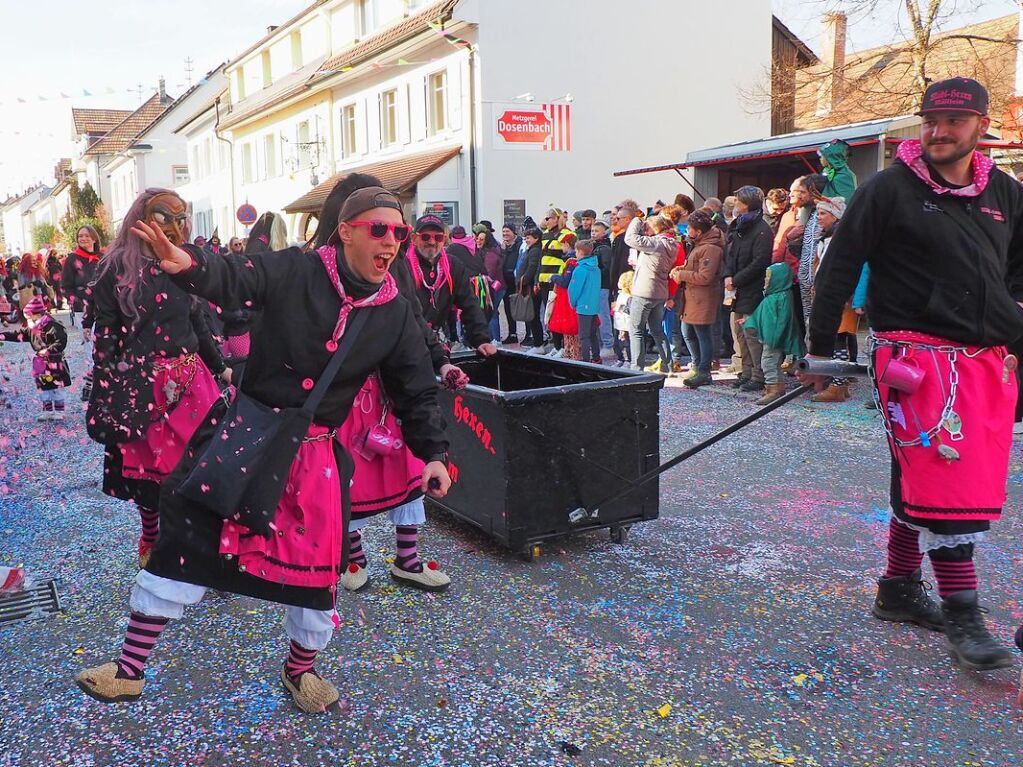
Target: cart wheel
x=531 y=553
x=620 y=534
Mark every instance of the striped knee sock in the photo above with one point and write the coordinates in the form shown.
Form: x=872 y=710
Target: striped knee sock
x=356 y=555
x=139 y=639
x=150 y=524
x=300 y=660
x=904 y=555
x=953 y=575
x=407 y=557
x=58 y=403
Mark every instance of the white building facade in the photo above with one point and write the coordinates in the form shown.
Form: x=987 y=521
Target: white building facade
x=484 y=118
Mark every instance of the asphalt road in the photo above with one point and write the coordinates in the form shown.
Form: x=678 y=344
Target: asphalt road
x=734 y=630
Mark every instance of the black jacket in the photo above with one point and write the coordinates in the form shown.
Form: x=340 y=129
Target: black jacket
x=532 y=268
x=746 y=260
x=53 y=340
x=171 y=323
x=619 y=263
x=439 y=354
x=602 y=250
x=946 y=266
x=458 y=294
x=78 y=272
x=511 y=259
x=300 y=309
x=472 y=264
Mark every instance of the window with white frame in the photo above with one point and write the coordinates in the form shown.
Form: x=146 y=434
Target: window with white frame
x=437 y=102
x=349 y=131
x=268 y=77
x=367 y=17
x=239 y=82
x=180 y=174
x=388 y=118
x=248 y=168
x=303 y=148
x=207 y=157
x=270 y=156
x=296 y=50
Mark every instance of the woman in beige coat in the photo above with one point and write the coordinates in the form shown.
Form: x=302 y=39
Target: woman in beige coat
x=700 y=290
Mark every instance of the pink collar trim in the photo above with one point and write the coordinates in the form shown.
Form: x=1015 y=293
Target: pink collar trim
x=911 y=153
x=388 y=291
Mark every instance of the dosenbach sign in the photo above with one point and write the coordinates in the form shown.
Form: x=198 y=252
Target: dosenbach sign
x=536 y=127
x=524 y=127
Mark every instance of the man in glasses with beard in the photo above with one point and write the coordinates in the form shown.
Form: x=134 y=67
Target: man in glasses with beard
x=443 y=285
x=942 y=231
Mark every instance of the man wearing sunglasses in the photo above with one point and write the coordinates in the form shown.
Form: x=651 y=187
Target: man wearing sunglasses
x=443 y=284
x=308 y=300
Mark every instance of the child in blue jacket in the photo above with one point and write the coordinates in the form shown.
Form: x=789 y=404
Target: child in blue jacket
x=584 y=297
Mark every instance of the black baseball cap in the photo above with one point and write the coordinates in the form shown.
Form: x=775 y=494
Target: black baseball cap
x=958 y=94
x=365 y=199
x=430 y=221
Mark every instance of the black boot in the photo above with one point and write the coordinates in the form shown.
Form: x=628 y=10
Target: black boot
x=905 y=600
x=968 y=639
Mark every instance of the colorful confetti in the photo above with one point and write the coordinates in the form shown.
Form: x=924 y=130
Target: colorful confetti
x=734 y=630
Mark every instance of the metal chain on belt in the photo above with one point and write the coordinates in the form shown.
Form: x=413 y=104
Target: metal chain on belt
x=953 y=382
x=321 y=437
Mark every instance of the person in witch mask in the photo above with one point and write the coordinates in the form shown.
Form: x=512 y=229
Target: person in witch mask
x=154 y=363
x=296 y=562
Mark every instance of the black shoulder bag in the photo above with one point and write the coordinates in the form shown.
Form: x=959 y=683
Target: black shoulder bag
x=240 y=475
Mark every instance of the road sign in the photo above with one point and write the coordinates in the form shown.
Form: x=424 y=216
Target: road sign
x=247 y=214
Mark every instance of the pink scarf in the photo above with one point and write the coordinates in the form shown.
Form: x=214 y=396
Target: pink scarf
x=388 y=290
x=443 y=273
x=911 y=153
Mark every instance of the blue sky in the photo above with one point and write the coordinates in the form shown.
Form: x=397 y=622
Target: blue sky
x=63 y=46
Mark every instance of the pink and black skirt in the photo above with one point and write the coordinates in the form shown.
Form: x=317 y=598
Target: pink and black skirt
x=298 y=564
x=949 y=438
x=383 y=480
x=184 y=390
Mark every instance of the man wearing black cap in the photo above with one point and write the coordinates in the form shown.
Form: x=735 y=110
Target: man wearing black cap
x=444 y=284
x=942 y=231
x=308 y=300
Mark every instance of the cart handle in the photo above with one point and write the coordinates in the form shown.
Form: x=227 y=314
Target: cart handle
x=581 y=514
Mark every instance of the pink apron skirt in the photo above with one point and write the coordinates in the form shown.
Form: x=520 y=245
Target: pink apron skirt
x=934 y=487
x=305 y=547
x=156 y=454
x=384 y=481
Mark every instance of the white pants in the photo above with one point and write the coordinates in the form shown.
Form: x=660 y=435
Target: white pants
x=411 y=513
x=164 y=598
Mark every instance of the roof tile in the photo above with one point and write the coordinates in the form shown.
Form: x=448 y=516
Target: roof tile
x=96 y=120
x=125 y=132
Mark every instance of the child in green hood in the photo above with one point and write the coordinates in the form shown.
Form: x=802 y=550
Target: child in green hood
x=835 y=159
x=776 y=325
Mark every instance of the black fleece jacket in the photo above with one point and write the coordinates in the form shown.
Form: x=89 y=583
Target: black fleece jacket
x=943 y=265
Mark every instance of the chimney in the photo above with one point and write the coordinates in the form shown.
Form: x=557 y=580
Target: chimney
x=163 y=90
x=833 y=59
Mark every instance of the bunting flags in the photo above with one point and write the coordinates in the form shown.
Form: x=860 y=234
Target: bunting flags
x=46 y=97
x=455 y=41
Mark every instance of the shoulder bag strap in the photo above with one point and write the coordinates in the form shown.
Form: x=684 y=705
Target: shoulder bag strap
x=358 y=319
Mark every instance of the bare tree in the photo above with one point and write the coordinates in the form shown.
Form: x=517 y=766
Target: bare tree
x=889 y=80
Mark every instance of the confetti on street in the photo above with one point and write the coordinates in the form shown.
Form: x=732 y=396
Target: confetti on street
x=734 y=630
